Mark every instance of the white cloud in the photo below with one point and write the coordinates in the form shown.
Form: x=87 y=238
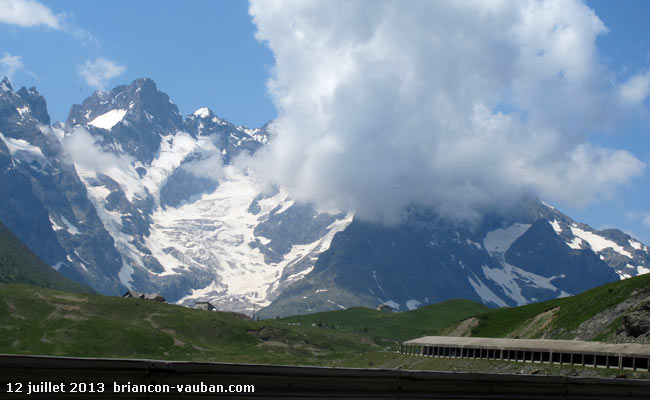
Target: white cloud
x=29 y=13
x=636 y=89
x=97 y=73
x=89 y=158
x=83 y=149
x=210 y=167
x=451 y=104
x=10 y=64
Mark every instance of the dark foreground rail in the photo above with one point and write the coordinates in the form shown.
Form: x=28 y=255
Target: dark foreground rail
x=79 y=378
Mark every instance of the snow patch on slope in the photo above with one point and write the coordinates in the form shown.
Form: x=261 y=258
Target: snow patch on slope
x=109 y=119
x=73 y=230
x=214 y=234
x=510 y=277
x=125 y=275
x=642 y=270
x=297 y=276
x=23 y=111
x=576 y=244
x=556 y=226
x=484 y=292
x=112 y=221
x=55 y=226
x=635 y=245
x=500 y=240
x=202 y=293
x=336 y=304
x=548 y=205
x=16 y=146
x=597 y=242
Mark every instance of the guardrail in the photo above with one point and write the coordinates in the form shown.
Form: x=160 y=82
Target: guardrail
x=84 y=378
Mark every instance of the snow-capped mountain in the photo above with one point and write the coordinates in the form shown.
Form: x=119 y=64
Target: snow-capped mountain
x=188 y=221
x=128 y=194
x=530 y=253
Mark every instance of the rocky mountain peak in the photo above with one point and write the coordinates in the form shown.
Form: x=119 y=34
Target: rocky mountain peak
x=141 y=101
x=5 y=85
x=24 y=116
x=36 y=103
x=129 y=119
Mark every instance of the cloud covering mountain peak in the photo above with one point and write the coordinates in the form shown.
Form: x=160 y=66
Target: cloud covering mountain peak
x=454 y=105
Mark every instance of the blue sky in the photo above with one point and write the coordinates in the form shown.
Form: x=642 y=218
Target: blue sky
x=626 y=50
x=204 y=53
x=201 y=53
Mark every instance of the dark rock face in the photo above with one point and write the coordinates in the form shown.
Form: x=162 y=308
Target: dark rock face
x=230 y=139
x=531 y=253
x=183 y=186
x=637 y=321
x=26 y=216
x=296 y=225
x=36 y=103
x=44 y=203
x=149 y=116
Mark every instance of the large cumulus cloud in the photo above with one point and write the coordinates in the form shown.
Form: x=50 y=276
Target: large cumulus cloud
x=453 y=104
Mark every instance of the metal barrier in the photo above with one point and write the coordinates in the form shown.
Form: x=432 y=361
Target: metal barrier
x=120 y=377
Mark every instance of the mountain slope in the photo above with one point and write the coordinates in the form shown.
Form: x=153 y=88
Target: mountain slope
x=613 y=312
x=19 y=265
x=188 y=219
x=530 y=252
x=44 y=203
x=129 y=194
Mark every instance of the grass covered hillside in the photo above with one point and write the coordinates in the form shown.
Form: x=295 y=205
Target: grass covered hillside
x=427 y=320
x=19 y=265
x=49 y=322
x=36 y=320
x=597 y=314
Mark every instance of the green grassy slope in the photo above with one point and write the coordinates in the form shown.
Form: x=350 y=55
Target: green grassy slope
x=426 y=320
x=36 y=320
x=572 y=311
x=41 y=321
x=19 y=265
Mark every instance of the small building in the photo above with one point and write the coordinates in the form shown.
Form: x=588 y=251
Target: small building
x=144 y=296
x=204 y=305
x=384 y=308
